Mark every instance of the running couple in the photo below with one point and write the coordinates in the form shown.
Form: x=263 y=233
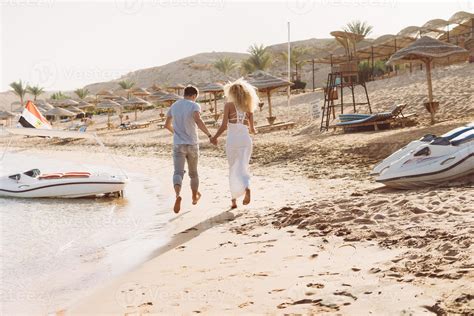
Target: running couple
x=183 y=119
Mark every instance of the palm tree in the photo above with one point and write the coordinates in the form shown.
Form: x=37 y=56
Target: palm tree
x=260 y=59
x=126 y=85
x=58 y=96
x=81 y=93
x=297 y=57
x=36 y=91
x=19 y=90
x=358 y=27
x=225 y=65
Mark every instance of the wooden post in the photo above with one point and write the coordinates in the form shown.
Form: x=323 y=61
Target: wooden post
x=135 y=112
x=430 y=89
x=216 y=113
x=394 y=66
x=372 y=55
x=313 y=74
x=269 y=105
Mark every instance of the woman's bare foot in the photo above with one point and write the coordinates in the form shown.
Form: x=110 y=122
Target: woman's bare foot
x=177 y=205
x=196 y=198
x=247 y=197
x=234 y=204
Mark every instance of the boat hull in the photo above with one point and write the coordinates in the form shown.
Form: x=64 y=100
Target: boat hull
x=463 y=168
x=70 y=188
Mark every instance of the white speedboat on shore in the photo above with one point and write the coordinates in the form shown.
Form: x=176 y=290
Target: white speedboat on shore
x=431 y=163
x=33 y=184
x=416 y=143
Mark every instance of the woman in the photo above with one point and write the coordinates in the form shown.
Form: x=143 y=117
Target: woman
x=238 y=119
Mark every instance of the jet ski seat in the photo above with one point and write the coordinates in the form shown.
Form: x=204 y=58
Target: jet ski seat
x=32 y=173
x=458 y=142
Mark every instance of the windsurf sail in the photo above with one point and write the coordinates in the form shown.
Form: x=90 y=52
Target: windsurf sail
x=32 y=118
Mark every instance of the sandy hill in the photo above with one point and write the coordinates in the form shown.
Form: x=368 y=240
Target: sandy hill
x=194 y=69
x=199 y=69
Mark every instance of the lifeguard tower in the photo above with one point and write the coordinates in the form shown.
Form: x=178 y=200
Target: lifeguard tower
x=344 y=75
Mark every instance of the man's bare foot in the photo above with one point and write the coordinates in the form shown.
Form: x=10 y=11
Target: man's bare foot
x=196 y=198
x=177 y=205
x=234 y=204
x=247 y=197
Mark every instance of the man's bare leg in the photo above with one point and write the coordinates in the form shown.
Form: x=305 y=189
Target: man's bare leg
x=177 y=203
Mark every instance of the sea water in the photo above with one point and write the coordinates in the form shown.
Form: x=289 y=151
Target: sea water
x=54 y=251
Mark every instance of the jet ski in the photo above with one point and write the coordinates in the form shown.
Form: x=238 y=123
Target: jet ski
x=33 y=184
x=431 y=163
x=414 y=144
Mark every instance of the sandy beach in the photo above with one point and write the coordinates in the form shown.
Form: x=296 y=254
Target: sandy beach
x=98 y=231
x=319 y=237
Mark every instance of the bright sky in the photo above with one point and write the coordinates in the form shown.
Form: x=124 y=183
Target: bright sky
x=65 y=45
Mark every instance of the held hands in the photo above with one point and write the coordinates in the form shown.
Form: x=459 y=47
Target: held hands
x=213 y=140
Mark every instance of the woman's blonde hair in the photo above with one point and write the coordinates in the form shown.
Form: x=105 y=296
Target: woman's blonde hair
x=242 y=94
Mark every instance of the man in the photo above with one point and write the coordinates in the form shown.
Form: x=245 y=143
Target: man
x=182 y=120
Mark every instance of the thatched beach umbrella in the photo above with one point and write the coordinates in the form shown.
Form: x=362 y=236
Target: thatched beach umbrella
x=110 y=106
x=66 y=103
x=136 y=102
x=266 y=83
x=105 y=94
x=427 y=49
x=176 y=88
x=7 y=116
x=140 y=92
x=75 y=109
x=214 y=89
x=60 y=112
x=4 y=115
x=84 y=105
x=45 y=105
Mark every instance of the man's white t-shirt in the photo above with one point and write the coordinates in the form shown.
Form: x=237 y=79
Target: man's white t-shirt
x=184 y=126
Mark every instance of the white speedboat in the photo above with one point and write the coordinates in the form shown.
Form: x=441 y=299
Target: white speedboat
x=431 y=163
x=33 y=184
x=414 y=144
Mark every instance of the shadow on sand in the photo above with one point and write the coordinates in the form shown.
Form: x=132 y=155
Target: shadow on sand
x=183 y=237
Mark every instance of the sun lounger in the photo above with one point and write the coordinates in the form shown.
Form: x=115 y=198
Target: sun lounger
x=275 y=127
x=375 y=121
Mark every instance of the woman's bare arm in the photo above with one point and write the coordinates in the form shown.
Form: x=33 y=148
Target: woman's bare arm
x=251 y=124
x=224 y=122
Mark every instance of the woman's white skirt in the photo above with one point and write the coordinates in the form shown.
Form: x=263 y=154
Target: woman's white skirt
x=239 y=151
